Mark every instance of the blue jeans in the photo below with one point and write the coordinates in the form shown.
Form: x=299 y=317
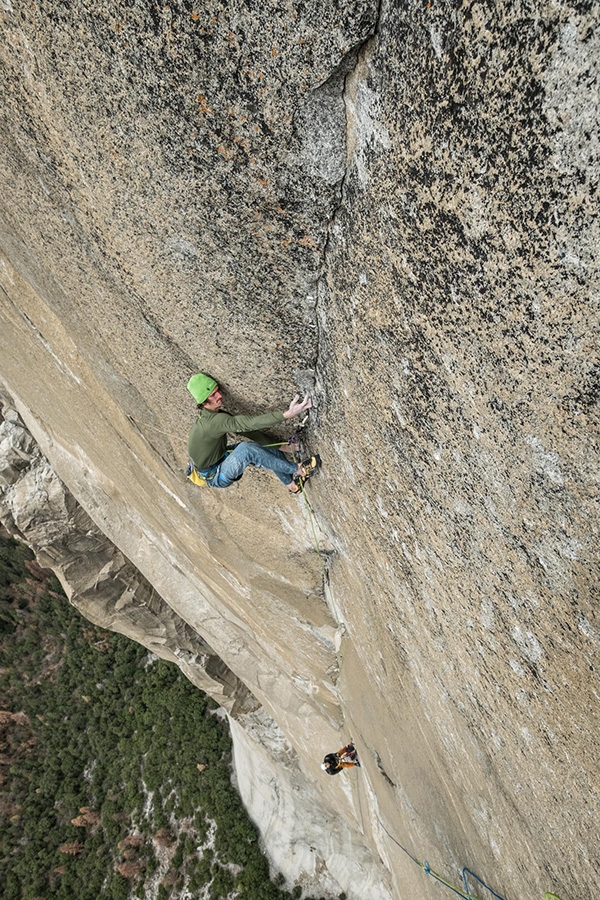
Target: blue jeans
x=250 y=454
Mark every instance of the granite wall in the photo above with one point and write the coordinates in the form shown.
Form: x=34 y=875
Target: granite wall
x=393 y=206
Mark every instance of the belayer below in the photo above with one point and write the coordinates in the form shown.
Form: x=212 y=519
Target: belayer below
x=345 y=758
x=219 y=466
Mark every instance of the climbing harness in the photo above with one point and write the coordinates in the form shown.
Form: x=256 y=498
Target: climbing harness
x=199 y=476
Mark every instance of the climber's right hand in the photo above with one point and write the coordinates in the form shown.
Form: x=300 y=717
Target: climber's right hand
x=297 y=406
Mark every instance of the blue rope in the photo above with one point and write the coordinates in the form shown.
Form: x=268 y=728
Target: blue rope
x=391 y=836
x=466 y=871
x=425 y=865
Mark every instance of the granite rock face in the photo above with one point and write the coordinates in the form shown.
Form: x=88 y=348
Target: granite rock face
x=394 y=206
x=36 y=507
x=308 y=843
x=460 y=340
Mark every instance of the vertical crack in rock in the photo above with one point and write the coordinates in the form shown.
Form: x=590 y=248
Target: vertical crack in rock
x=344 y=81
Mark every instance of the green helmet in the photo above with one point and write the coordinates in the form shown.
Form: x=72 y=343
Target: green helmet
x=201 y=386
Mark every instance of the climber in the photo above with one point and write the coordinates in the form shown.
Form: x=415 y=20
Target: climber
x=219 y=465
x=345 y=758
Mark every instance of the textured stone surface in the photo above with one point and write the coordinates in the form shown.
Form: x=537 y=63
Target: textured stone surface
x=305 y=840
x=460 y=340
x=316 y=848
x=36 y=507
x=397 y=204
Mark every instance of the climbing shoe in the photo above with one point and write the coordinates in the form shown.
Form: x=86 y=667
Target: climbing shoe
x=299 y=482
x=310 y=466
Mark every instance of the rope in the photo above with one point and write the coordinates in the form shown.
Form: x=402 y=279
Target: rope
x=322 y=558
x=149 y=425
x=466 y=872
x=466 y=895
x=362 y=821
x=315 y=538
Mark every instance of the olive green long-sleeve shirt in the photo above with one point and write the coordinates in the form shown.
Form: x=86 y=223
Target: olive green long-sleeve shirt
x=208 y=437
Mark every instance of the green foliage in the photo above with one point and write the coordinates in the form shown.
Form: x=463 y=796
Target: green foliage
x=110 y=731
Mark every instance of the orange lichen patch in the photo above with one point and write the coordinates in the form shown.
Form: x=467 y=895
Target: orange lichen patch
x=204 y=107
x=224 y=151
x=273 y=52
x=242 y=142
x=195 y=16
x=307 y=242
x=231 y=38
x=262 y=181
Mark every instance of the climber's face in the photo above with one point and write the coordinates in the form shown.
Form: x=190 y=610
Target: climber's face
x=214 y=400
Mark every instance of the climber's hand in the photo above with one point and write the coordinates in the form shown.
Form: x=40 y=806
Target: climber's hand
x=291 y=447
x=297 y=406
